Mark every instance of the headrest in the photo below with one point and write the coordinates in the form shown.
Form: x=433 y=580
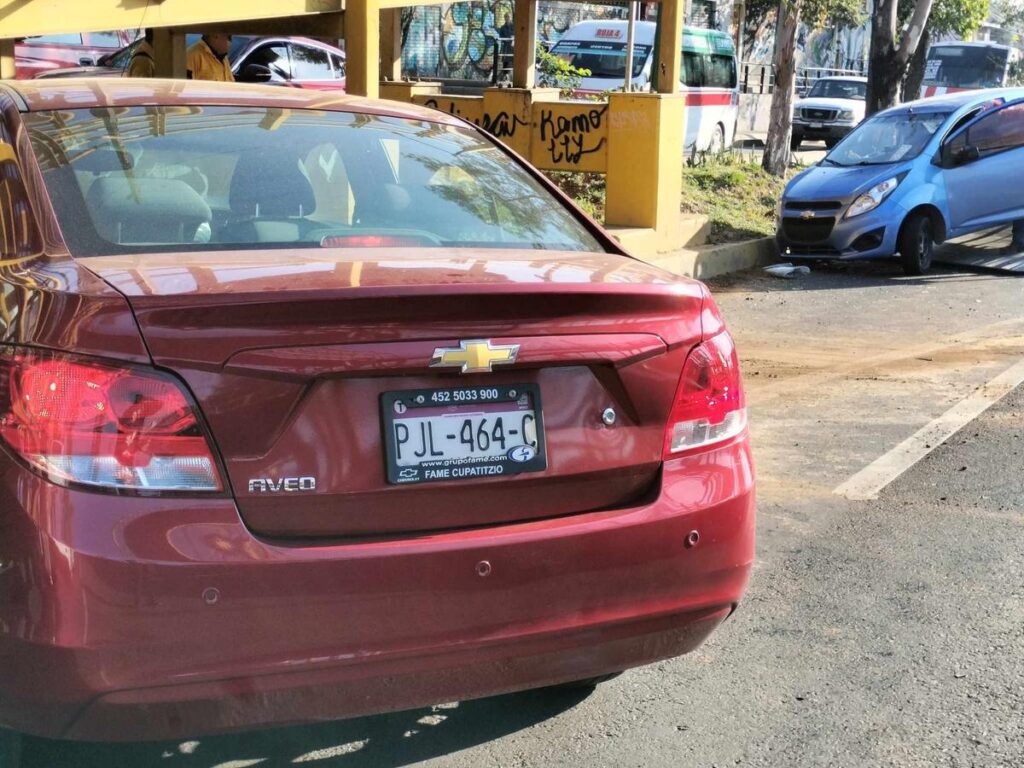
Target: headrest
x=270 y=185
x=121 y=197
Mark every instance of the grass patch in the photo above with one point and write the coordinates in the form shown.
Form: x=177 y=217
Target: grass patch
x=738 y=197
x=587 y=189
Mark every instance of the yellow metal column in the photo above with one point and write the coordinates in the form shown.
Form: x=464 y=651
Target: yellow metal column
x=645 y=162
x=362 y=48
x=524 y=50
x=668 y=66
x=391 y=44
x=7 y=59
x=169 y=49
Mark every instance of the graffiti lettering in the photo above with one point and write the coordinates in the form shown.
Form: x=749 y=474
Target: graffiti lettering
x=568 y=138
x=502 y=125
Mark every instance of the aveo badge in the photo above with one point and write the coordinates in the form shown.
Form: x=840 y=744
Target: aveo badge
x=278 y=484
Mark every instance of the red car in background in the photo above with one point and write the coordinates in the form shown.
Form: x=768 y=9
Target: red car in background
x=295 y=61
x=314 y=407
x=39 y=54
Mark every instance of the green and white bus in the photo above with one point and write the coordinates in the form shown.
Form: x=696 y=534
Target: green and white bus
x=709 y=79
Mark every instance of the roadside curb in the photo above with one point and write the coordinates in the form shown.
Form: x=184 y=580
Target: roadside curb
x=714 y=260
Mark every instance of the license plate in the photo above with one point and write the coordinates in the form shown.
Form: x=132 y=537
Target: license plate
x=461 y=433
x=817 y=125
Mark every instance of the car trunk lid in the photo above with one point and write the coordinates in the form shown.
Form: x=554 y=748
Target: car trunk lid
x=290 y=352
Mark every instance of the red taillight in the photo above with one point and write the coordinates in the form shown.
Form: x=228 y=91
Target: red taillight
x=373 y=241
x=102 y=425
x=709 y=405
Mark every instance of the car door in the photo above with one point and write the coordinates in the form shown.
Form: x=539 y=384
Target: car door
x=981 y=165
x=270 y=63
x=311 y=68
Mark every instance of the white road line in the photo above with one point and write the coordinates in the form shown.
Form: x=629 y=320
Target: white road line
x=867 y=483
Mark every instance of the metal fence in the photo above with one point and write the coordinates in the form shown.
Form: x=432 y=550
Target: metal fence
x=760 y=78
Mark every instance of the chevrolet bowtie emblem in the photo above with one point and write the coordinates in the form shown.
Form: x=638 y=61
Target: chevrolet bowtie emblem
x=807 y=215
x=477 y=356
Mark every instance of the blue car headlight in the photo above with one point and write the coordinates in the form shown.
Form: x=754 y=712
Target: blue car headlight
x=873 y=197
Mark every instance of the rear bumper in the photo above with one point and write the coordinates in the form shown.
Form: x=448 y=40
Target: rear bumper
x=133 y=618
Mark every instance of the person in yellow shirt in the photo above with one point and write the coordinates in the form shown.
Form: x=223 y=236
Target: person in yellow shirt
x=208 y=58
x=143 y=63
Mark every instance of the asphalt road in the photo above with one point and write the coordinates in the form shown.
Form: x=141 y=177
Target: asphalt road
x=885 y=632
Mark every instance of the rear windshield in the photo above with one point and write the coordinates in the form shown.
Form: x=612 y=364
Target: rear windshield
x=213 y=178
x=887 y=138
x=839 y=89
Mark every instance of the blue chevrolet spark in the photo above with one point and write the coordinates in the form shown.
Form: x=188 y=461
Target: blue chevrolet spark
x=908 y=178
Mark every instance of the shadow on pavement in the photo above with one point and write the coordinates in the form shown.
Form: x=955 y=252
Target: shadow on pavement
x=390 y=740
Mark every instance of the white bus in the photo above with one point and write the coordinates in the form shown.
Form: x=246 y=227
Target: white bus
x=710 y=79
x=958 y=66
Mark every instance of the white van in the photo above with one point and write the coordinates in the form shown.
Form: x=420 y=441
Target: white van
x=709 y=73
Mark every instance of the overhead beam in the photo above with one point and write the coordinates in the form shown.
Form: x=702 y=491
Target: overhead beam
x=19 y=18
x=326 y=25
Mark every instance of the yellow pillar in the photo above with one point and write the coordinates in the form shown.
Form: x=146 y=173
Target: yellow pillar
x=645 y=160
x=169 y=53
x=362 y=48
x=391 y=44
x=668 y=65
x=7 y=59
x=524 y=51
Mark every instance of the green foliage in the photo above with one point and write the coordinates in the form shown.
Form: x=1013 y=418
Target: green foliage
x=956 y=17
x=1010 y=15
x=832 y=13
x=555 y=72
x=736 y=194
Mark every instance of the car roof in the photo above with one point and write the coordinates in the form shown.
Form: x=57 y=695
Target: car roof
x=950 y=102
x=255 y=42
x=844 y=78
x=88 y=92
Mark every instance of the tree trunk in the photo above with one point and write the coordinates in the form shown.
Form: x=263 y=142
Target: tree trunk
x=887 y=63
x=780 y=123
x=882 y=80
x=915 y=72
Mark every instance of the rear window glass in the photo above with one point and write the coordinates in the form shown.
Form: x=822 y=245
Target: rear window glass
x=213 y=178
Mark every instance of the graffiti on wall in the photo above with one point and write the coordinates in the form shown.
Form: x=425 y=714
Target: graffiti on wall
x=828 y=48
x=458 y=40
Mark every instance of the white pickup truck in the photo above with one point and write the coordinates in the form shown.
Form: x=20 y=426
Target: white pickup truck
x=830 y=110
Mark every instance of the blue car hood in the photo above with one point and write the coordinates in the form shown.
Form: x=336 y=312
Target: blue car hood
x=831 y=182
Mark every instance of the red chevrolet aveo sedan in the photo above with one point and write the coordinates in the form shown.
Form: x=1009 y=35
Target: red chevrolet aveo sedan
x=313 y=406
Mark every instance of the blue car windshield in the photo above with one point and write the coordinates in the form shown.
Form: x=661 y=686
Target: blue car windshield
x=888 y=139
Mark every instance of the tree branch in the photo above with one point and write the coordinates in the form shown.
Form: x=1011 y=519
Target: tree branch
x=922 y=10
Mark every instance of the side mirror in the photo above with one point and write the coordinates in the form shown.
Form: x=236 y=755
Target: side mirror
x=254 y=73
